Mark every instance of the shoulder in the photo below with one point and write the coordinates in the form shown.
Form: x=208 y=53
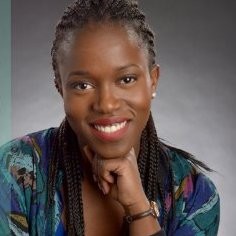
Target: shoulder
x=19 y=157
x=22 y=176
x=187 y=176
x=180 y=166
x=31 y=144
x=196 y=198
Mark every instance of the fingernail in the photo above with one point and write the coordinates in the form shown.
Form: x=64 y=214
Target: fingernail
x=103 y=191
x=94 y=178
x=99 y=186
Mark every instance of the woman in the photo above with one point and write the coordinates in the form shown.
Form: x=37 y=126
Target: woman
x=104 y=171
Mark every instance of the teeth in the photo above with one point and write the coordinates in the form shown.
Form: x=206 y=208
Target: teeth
x=107 y=129
x=110 y=128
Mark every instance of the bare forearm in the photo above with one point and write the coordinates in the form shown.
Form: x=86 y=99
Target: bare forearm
x=146 y=225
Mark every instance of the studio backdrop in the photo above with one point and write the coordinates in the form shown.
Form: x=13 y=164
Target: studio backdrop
x=195 y=105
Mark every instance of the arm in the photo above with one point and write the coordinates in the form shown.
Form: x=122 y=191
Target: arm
x=197 y=207
x=119 y=178
x=13 y=210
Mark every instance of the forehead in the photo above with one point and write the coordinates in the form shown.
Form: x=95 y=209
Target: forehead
x=111 y=43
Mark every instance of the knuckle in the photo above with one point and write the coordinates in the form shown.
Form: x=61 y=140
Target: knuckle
x=128 y=160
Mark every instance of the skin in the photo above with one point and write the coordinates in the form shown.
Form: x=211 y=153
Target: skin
x=105 y=73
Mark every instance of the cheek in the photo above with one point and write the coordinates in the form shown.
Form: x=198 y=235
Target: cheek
x=140 y=98
x=140 y=101
x=69 y=106
x=75 y=110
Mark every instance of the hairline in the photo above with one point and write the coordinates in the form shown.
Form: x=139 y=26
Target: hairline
x=132 y=33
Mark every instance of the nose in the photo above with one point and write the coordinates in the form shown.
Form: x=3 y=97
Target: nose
x=106 y=101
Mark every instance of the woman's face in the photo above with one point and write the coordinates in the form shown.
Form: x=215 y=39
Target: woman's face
x=106 y=85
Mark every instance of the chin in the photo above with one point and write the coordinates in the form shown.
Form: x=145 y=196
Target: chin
x=111 y=151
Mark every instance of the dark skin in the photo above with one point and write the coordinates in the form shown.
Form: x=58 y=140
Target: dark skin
x=106 y=84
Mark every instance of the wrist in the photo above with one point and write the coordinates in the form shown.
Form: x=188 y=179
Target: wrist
x=159 y=233
x=145 y=223
x=152 y=211
x=139 y=206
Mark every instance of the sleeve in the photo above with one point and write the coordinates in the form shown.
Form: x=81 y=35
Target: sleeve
x=16 y=181
x=197 y=207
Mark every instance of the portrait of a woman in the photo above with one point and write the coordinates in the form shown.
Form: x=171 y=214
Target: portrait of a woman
x=104 y=170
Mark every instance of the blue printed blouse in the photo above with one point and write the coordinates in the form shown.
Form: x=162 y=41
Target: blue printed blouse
x=23 y=192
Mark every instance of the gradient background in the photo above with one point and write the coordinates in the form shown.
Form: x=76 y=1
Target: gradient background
x=195 y=107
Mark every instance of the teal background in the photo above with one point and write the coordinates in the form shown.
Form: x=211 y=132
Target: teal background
x=5 y=71
x=5 y=88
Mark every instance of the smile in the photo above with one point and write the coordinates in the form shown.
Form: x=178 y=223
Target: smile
x=110 y=128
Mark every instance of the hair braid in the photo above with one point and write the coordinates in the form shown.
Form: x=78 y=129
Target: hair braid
x=66 y=158
x=154 y=167
x=142 y=161
x=53 y=173
x=73 y=176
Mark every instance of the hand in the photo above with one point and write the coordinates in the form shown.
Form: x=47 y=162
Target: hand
x=120 y=179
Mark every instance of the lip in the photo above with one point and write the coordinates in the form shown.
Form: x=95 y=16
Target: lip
x=109 y=120
x=112 y=136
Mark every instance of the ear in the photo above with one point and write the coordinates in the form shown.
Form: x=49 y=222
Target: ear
x=58 y=86
x=154 y=74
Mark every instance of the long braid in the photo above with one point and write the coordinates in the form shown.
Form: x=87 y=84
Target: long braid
x=65 y=157
x=73 y=177
x=154 y=167
x=142 y=161
x=53 y=173
x=76 y=169
x=69 y=181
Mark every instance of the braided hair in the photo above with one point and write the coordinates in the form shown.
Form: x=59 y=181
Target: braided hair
x=124 y=12
x=153 y=162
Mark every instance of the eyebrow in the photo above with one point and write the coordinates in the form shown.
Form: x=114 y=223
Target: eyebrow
x=126 y=66
x=79 y=73
x=86 y=73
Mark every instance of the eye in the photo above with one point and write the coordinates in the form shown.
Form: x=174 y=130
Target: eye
x=128 y=80
x=83 y=86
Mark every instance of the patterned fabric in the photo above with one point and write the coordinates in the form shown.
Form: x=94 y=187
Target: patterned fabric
x=23 y=192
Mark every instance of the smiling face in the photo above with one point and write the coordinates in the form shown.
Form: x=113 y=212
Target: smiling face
x=106 y=84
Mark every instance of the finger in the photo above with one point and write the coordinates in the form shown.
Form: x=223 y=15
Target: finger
x=108 y=176
x=103 y=177
x=132 y=152
x=114 y=192
x=105 y=187
x=99 y=184
x=95 y=178
x=131 y=155
x=100 y=171
x=97 y=165
x=104 y=169
x=88 y=153
x=108 y=169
